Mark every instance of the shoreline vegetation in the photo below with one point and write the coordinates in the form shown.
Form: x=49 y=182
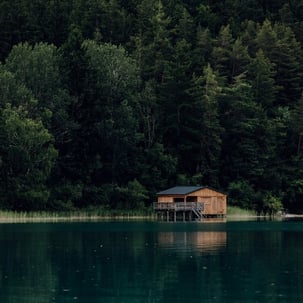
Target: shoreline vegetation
x=6 y=216
x=76 y=215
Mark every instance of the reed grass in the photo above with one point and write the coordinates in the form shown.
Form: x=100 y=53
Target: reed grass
x=99 y=214
x=233 y=211
x=74 y=215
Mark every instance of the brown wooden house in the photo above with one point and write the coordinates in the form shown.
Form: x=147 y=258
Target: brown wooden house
x=190 y=203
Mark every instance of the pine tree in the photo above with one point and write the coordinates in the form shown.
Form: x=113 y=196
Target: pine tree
x=203 y=130
x=280 y=46
x=262 y=73
x=244 y=142
x=201 y=50
x=221 y=54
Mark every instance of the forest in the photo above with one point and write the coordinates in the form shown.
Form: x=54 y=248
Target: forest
x=103 y=103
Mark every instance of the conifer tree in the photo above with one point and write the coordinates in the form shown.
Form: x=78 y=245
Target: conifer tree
x=203 y=129
x=262 y=73
x=221 y=53
x=244 y=122
x=280 y=46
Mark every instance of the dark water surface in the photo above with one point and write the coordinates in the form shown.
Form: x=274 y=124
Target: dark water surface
x=134 y=262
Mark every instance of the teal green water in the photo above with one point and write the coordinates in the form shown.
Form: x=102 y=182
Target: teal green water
x=132 y=262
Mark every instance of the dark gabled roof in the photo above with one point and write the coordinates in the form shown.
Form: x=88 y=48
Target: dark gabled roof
x=180 y=190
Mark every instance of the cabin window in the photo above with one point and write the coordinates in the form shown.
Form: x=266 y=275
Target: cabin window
x=191 y=199
x=178 y=199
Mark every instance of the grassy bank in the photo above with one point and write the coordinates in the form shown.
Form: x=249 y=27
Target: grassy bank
x=75 y=215
x=234 y=211
x=99 y=214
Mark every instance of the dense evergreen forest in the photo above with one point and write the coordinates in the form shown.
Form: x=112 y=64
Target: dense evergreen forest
x=105 y=102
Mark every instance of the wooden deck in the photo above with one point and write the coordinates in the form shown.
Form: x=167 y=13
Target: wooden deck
x=184 y=211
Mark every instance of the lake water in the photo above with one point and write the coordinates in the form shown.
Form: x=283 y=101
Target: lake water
x=134 y=262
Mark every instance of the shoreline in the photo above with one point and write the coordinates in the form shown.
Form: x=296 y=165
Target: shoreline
x=126 y=218
x=53 y=217
x=293 y=216
x=99 y=215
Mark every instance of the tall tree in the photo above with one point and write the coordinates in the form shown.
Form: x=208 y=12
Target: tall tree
x=153 y=39
x=38 y=68
x=221 y=53
x=28 y=154
x=202 y=49
x=262 y=73
x=108 y=118
x=244 y=145
x=173 y=98
x=280 y=46
x=204 y=129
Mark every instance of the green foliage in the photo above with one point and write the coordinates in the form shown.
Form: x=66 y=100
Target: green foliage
x=263 y=83
x=104 y=103
x=132 y=196
x=37 y=68
x=272 y=205
x=245 y=138
x=14 y=92
x=241 y=193
x=109 y=123
x=204 y=127
x=65 y=196
x=279 y=44
x=28 y=157
x=158 y=168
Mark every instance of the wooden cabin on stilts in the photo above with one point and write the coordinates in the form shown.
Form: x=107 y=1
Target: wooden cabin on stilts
x=190 y=203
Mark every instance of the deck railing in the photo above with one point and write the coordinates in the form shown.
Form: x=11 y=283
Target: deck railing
x=179 y=206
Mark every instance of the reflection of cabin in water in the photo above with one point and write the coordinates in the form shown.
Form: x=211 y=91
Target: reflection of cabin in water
x=202 y=241
x=189 y=203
